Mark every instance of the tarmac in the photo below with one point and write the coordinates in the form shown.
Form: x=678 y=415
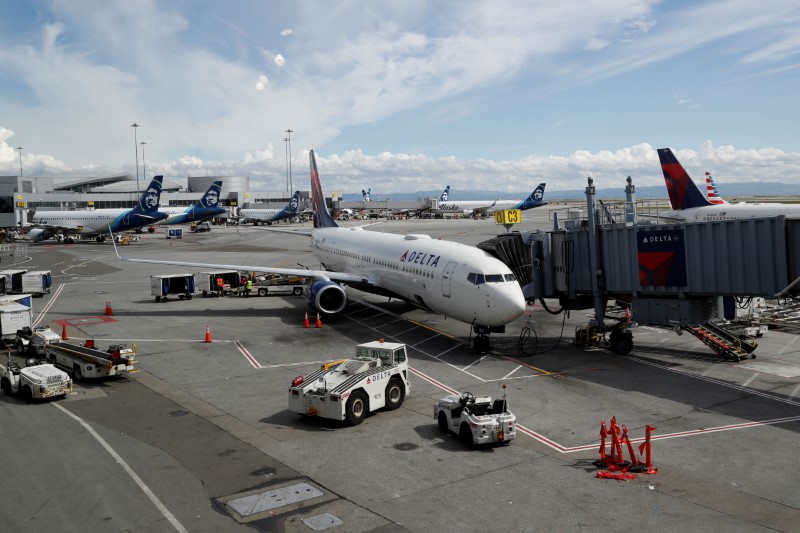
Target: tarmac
x=201 y=439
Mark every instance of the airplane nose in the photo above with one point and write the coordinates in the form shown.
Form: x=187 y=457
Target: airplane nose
x=509 y=303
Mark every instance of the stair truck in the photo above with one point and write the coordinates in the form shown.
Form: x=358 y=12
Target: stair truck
x=349 y=389
x=181 y=285
x=86 y=361
x=34 y=381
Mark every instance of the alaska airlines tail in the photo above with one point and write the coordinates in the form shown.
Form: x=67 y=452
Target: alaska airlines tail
x=322 y=218
x=536 y=199
x=151 y=197
x=365 y=194
x=445 y=194
x=683 y=192
x=211 y=197
x=291 y=208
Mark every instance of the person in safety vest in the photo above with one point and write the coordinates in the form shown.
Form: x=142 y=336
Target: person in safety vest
x=220 y=283
x=248 y=286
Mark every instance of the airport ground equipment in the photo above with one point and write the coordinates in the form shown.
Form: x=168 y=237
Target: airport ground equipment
x=180 y=285
x=669 y=274
x=278 y=284
x=34 y=381
x=200 y=227
x=724 y=343
x=349 y=389
x=476 y=419
x=86 y=361
x=176 y=233
x=35 y=282
x=12 y=280
x=15 y=314
x=32 y=342
x=206 y=282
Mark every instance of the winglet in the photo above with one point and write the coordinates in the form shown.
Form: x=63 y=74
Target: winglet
x=114 y=244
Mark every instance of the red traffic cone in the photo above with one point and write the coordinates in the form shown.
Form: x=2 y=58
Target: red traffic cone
x=305 y=321
x=318 y=324
x=208 y=334
x=64 y=332
x=109 y=312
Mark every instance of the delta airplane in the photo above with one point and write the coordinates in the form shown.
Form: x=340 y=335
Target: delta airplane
x=488 y=207
x=98 y=222
x=206 y=207
x=445 y=277
x=690 y=204
x=272 y=215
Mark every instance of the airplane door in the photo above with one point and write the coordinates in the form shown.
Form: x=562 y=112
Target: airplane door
x=447 y=277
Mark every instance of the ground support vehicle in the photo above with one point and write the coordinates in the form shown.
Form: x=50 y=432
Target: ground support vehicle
x=181 y=285
x=476 y=420
x=175 y=232
x=36 y=282
x=206 y=282
x=349 y=389
x=34 y=381
x=86 y=361
x=33 y=342
x=15 y=314
x=12 y=279
x=200 y=227
x=277 y=284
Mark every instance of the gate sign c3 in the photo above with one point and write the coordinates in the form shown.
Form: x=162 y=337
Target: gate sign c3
x=508 y=216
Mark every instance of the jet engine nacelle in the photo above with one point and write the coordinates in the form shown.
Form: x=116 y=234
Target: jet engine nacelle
x=40 y=234
x=327 y=297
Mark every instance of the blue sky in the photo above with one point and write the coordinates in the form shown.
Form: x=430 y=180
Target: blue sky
x=403 y=95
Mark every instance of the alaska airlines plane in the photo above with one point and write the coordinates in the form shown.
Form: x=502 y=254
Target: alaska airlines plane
x=98 y=222
x=487 y=207
x=272 y=215
x=690 y=204
x=365 y=195
x=206 y=207
x=449 y=278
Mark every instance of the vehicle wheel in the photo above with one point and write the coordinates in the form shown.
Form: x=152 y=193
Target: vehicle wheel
x=621 y=342
x=394 y=394
x=6 y=386
x=262 y=292
x=77 y=372
x=443 y=422
x=356 y=408
x=205 y=294
x=297 y=291
x=158 y=298
x=188 y=296
x=27 y=394
x=151 y=229
x=465 y=434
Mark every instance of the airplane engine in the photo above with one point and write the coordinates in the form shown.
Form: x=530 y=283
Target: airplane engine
x=40 y=234
x=327 y=297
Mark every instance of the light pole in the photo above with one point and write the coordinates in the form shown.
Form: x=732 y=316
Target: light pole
x=136 y=147
x=19 y=149
x=144 y=166
x=286 y=158
x=289 y=139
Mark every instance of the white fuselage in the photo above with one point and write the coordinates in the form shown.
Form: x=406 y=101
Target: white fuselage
x=263 y=215
x=472 y=206
x=432 y=273
x=720 y=212
x=87 y=222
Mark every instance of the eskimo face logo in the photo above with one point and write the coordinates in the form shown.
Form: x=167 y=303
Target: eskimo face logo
x=293 y=203
x=537 y=194
x=420 y=258
x=444 y=196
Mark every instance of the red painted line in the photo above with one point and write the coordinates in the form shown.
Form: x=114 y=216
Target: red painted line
x=247 y=354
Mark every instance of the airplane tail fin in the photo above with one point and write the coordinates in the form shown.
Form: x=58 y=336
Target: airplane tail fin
x=294 y=203
x=151 y=197
x=445 y=194
x=683 y=192
x=322 y=218
x=365 y=194
x=536 y=199
x=713 y=193
x=211 y=197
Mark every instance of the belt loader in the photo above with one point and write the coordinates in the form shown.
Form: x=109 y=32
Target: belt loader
x=85 y=361
x=348 y=389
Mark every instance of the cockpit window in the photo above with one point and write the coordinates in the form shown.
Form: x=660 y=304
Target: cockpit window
x=475 y=279
x=494 y=278
x=511 y=277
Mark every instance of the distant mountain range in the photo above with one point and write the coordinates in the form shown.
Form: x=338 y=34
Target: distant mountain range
x=729 y=191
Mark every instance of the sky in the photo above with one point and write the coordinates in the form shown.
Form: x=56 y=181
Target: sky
x=402 y=95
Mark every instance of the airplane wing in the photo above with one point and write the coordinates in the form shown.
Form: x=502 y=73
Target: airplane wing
x=343 y=277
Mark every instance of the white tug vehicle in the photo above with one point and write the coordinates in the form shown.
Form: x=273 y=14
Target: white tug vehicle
x=476 y=420
x=348 y=389
x=35 y=381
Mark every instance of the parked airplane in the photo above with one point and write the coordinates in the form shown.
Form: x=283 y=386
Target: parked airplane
x=713 y=193
x=98 y=222
x=445 y=194
x=487 y=207
x=689 y=204
x=205 y=208
x=365 y=195
x=449 y=278
x=272 y=215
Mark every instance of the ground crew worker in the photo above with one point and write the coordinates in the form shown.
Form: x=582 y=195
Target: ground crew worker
x=248 y=286
x=220 y=283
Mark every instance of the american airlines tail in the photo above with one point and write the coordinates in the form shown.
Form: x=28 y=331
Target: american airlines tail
x=445 y=194
x=365 y=195
x=536 y=199
x=150 y=199
x=683 y=192
x=713 y=193
x=322 y=218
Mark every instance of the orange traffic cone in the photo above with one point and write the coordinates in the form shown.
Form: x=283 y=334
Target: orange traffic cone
x=64 y=332
x=305 y=321
x=318 y=323
x=109 y=312
x=208 y=334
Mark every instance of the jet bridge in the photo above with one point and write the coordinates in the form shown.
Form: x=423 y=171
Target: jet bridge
x=670 y=274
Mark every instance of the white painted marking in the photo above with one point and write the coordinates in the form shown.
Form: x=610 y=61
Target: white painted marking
x=750 y=379
x=509 y=374
x=475 y=362
x=795 y=392
x=120 y=461
x=788 y=344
